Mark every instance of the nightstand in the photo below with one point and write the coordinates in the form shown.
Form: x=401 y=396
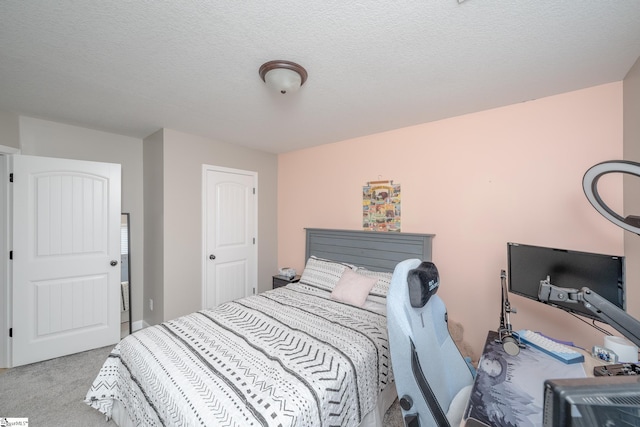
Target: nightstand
x=283 y=281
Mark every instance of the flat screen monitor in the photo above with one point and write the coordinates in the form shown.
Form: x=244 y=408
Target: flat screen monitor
x=603 y=274
x=587 y=402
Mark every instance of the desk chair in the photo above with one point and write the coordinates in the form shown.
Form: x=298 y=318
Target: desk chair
x=432 y=378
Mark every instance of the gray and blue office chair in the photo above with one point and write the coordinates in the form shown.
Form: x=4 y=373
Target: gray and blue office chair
x=432 y=378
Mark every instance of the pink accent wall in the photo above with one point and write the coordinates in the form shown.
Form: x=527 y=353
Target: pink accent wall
x=478 y=181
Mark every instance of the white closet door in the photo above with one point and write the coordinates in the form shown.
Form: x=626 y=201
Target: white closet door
x=66 y=252
x=229 y=222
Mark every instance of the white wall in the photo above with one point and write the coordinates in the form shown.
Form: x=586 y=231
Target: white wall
x=181 y=215
x=9 y=130
x=171 y=187
x=153 y=147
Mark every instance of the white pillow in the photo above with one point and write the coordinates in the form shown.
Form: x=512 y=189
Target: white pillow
x=323 y=273
x=380 y=290
x=353 y=288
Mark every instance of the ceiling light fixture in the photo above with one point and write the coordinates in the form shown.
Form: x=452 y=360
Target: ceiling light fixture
x=283 y=76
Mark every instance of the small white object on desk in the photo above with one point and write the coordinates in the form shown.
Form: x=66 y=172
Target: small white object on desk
x=604 y=354
x=626 y=351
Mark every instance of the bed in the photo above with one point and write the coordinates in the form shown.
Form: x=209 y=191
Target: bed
x=312 y=353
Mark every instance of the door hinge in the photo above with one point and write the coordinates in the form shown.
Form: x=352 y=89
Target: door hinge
x=10 y=332
x=11 y=178
x=254 y=291
x=10 y=254
x=254 y=190
x=254 y=240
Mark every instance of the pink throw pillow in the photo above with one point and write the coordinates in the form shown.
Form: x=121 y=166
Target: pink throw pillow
x=353 y=288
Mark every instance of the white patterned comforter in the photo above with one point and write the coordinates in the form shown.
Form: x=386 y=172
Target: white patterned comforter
x=287 y=357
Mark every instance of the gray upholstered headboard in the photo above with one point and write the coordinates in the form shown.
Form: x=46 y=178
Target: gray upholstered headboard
x=378 y=251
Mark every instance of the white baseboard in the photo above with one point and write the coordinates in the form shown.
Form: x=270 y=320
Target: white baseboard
x=137 y=325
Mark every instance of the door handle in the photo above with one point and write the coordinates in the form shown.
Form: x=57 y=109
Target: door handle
x=113 y=263
x=212 y=257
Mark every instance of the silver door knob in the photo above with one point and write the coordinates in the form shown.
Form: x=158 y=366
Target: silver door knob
x=212 y=257
x=113 y=263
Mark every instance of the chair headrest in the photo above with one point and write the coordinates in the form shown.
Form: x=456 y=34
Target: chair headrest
x=423 y=282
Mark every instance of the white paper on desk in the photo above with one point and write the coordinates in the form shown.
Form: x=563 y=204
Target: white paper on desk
x=515 y=395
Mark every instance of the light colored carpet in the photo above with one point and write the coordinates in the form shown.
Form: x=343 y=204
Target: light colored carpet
x=51 y=393
x=393 y=417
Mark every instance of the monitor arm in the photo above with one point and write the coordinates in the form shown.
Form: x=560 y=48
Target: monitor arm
x=609 y=313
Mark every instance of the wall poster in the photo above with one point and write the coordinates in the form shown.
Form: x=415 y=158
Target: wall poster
x=381 y=206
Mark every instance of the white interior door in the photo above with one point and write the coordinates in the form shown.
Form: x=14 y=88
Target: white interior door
x=229 y=223
x=66 y=248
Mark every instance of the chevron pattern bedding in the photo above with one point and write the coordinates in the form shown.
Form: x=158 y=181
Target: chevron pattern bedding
x=286 y=357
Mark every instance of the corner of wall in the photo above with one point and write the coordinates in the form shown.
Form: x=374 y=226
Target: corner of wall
x=631 y=184
x=153 y=184
x=9 y=130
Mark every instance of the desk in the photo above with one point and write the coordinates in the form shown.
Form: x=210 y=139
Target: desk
x=508 y=390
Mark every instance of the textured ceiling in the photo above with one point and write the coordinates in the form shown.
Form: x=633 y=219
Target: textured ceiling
x=133 y=67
